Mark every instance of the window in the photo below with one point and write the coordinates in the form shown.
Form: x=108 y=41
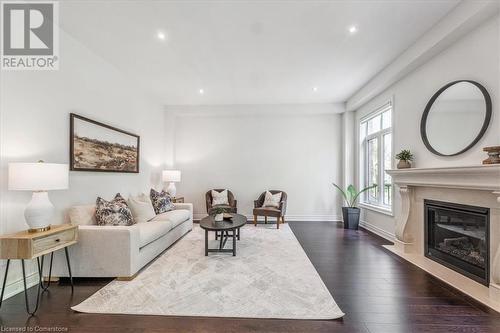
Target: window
x=375 y=134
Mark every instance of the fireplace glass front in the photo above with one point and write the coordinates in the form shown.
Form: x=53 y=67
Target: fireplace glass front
x=457 y=236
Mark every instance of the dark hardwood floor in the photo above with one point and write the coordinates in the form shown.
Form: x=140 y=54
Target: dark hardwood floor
x=378 y=291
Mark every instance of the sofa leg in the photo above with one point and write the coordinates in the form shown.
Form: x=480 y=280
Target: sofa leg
x=265 y=219
x=278 y=223
x=255 y=220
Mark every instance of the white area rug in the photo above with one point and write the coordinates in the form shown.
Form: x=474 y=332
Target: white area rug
x=270 y=277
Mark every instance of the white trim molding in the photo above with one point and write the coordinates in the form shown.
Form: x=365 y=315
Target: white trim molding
x=15 y=287
x=377 y=230
x=305 y=218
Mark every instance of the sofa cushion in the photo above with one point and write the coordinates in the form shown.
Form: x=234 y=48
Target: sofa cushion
x=114 y=212
x=176 y=216
x=151 y=231
x=141 y=207
x=161 y=201
x=82 y=215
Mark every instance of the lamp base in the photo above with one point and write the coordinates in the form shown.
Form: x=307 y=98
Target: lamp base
x=171 y=190
x=31 y=231
x=39 y=212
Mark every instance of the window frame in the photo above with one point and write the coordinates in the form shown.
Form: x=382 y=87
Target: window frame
x=365 y=201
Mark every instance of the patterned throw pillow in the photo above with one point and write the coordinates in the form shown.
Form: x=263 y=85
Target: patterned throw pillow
x=114 y=212
x=161 y=201
x=272 y=200
x=219 y=198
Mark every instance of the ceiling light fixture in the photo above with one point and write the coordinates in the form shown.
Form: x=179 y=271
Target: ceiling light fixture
x=315 y=89
x=201 y=91
x=161 y=35
x=353 y=29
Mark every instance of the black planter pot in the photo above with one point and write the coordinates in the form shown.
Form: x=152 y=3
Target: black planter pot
x=351 y=217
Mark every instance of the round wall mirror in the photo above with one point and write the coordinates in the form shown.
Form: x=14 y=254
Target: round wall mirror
x=456 y=118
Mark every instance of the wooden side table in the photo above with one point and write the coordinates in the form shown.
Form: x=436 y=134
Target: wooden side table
x=178 y=200
x=26 y=245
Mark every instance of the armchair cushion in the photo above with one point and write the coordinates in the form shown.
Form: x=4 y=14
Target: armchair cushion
x=272 y=200
x=267 y=211
x=220 y=198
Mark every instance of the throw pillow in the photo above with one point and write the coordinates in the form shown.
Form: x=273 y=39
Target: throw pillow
x=219 y=198
x=272 y=200
x=114 y=212
x=161 y=201
x=141 y=207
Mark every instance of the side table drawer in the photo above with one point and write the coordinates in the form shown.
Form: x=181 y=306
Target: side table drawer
x=41 y=245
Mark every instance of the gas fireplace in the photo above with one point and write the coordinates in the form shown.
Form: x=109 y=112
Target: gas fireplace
x=457 y=236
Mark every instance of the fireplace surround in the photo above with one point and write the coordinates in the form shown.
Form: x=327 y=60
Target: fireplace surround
x=475 y=186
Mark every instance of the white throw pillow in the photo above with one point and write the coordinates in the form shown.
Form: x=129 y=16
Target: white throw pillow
x=272 y=200
x=219 y=198
x=141 y=207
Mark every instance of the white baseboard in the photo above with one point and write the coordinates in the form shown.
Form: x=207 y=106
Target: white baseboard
x=17 y=286
x=377 y=230
x=311 y=218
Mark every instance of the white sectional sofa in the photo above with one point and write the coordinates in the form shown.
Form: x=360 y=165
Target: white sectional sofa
x=120 y=251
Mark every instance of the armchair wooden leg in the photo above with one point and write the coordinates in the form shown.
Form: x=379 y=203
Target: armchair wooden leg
x=283 y=219
x=278 y=223
x=255 y=220
x=265 y=219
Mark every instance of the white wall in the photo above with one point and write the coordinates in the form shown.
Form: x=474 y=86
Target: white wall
x=474 y=57
x=34 y=124
x=248 y=149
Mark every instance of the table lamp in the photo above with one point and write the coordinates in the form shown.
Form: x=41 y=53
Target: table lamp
x=171 y=176
x=38 y=177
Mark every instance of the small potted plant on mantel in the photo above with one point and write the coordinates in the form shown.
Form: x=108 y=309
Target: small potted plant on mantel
x=405 y=157
x=350 y=213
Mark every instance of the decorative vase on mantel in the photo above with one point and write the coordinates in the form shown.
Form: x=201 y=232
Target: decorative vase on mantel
x=404 y=164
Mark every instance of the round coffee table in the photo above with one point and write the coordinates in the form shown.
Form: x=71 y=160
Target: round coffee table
x=226 y=229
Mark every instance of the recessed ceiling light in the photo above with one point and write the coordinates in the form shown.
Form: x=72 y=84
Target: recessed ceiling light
x=353 y=29
x=201 y=91
x=315 y=89
x=161 y=35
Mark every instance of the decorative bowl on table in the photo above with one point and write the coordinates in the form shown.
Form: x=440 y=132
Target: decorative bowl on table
x=228 y=216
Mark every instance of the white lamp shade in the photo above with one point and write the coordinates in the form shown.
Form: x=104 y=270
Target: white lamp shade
x=38 y=176
x=171 y=175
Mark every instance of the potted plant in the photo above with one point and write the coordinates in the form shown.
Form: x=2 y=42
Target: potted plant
x=350 y=213
x=405 y=157
x=218 y=214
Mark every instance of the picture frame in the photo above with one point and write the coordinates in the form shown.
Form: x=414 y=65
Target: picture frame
x=98 y=147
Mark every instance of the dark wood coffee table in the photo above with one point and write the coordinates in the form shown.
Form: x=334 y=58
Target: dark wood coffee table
x=225 y=229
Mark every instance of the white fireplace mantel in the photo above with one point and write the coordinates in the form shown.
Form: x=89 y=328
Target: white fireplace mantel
x=477 y=177
x=479 y=184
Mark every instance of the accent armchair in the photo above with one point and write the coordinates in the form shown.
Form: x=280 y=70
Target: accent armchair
x=231 y=208
x=279 y=212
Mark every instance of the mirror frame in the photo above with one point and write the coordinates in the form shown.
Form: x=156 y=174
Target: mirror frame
x=428 y=107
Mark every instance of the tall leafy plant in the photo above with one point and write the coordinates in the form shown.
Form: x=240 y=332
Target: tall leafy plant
x=351 y=195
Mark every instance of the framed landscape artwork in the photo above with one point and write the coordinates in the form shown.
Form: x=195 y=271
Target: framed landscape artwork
x=95 y=146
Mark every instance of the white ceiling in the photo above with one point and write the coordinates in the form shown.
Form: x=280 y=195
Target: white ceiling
x=244 y=52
